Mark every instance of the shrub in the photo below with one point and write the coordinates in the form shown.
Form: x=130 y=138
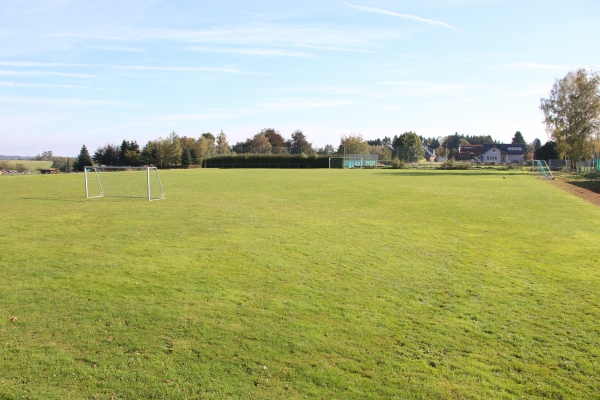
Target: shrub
x=398 y=163
x=452 y=164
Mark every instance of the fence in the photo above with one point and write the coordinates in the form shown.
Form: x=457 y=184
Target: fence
x=264 y=150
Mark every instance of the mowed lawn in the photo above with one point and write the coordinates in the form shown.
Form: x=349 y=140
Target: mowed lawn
x=300 y=284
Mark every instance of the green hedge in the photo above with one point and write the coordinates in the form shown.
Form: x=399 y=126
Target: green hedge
x=266 y=161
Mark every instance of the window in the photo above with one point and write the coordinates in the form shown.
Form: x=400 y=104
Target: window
x=515 y=149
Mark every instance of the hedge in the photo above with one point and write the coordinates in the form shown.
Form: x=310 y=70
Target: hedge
x=266 y=161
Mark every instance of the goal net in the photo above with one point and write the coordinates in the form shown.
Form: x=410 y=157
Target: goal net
x=140 y=182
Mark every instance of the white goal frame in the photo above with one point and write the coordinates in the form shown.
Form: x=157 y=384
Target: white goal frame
x=148 y=186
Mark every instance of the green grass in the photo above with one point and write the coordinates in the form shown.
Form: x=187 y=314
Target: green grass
x=300 y=284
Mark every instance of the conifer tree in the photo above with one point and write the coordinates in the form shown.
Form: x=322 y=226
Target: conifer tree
x=186 y=157
x=83 y=159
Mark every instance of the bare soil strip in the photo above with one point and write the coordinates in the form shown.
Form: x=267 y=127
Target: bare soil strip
x=587 y=190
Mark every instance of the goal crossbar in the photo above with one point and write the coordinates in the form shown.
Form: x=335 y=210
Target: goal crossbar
x=111 y=181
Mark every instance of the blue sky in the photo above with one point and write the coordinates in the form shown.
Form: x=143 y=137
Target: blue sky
x=84 y=72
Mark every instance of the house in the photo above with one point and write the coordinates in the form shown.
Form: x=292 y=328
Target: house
x=467 y=152
x=502 y=153
x=429 y=153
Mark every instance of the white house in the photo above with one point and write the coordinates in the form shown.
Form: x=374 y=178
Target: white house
x=502 y=153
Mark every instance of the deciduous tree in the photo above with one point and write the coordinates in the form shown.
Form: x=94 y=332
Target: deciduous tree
x=299 y=144
x=222 y=144
x=353 y=144
x=410 y=147
x=260 y=143
x=572 y=113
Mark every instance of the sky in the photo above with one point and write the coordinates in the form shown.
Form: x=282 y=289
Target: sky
x=81 y=72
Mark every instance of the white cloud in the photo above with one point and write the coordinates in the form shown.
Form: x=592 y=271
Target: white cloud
x=38 y=73
x=405 y=16
x=252 y=51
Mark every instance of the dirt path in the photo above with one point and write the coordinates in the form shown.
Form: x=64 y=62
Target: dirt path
x=587 y=190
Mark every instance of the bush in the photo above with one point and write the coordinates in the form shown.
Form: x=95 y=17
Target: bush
x=452 y=164
x=21 y=167
x=398 y=163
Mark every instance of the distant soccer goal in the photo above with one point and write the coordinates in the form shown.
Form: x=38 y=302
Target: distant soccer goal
x=132 y=182
x=354 y=161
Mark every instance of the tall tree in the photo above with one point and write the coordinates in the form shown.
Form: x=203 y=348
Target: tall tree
x=222 y=144
x=326 y=151
x=152 y=153
x=452 y=142
x=127 y=146
x=260 y=143
x=299 y=144
x=274 y=137
x=572 y=113
x=107 y=155
x=208 y=136
x=409 y=147
x=518 y=138
x=186 y=157
x=548 y=151
x=353 y=144
x=83 y=159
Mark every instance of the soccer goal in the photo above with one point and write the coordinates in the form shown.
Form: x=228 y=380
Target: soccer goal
x=540 y=169
x=140 y=182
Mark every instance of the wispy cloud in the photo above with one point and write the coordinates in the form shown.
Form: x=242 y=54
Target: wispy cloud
x=320 y=35
x=39 y=64
x=405 y=16
x=535 y=66
x=107 y=66
x=61 y=102
x=120 y=48
x=419 y=88
x=15 y=84
x=39 y=73
x=334 y=48
x=182 y=69
x=252 y=51
x=300 y=103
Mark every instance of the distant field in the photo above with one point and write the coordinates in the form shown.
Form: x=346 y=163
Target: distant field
x=34 y=165
x=297 y=284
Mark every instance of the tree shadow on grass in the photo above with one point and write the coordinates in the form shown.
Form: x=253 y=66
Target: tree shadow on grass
x=440 y=172
x=593 y=186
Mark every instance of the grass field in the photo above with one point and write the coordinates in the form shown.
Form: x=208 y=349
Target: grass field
x=34 y=165
x=300 y=284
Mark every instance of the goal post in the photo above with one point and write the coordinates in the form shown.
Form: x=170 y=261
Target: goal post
x=126 y=182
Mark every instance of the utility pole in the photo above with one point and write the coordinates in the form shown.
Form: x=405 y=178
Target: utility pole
x=69 y=159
